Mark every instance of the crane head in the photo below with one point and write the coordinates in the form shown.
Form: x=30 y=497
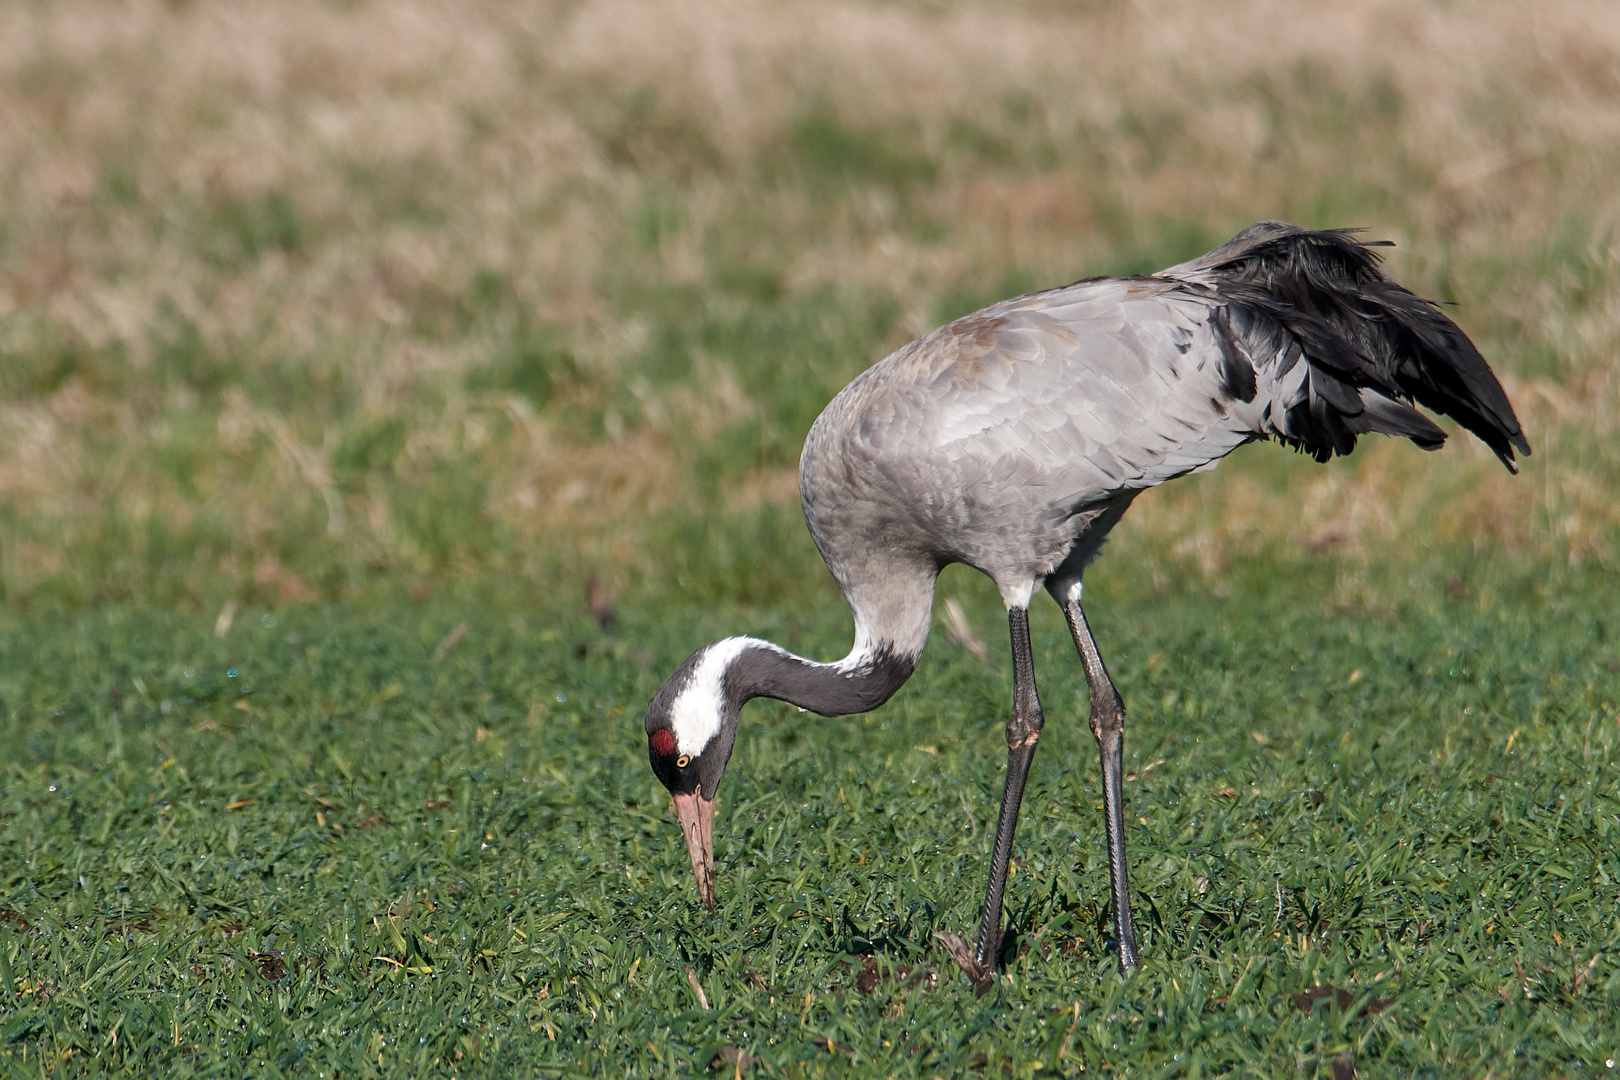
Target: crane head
x=691 y=724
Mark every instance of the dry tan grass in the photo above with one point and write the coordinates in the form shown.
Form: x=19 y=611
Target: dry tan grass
x=422 y=144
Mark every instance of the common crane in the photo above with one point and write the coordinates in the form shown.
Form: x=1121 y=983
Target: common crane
x=1013 y=439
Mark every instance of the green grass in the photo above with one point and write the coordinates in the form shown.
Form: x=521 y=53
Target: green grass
x=306 y=848
x=410 y=315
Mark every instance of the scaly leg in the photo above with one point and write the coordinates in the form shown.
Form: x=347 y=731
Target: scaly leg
x=1108 y=725
x=1023 y=732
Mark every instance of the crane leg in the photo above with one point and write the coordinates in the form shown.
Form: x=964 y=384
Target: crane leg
x=1023 y=732
x=1108 y=725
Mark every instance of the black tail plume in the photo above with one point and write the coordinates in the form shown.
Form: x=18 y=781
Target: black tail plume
x=1369 y=345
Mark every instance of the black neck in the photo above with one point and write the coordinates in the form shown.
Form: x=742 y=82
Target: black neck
x=859 y=684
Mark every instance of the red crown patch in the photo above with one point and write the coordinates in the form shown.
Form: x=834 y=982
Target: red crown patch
x=662 y=742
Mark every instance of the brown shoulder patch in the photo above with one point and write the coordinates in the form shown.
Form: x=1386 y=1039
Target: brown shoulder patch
x=956 y=351
x=973 y=333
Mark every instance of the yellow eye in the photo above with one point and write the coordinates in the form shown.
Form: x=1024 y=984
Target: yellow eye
x=680 y=762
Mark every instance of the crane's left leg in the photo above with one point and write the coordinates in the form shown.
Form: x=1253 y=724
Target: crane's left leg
x=1108 y=725
x=1023 y=732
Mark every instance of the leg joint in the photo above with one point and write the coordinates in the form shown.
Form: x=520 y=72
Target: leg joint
x=1108 y=720
x=1024 y=728
x=1106 y=705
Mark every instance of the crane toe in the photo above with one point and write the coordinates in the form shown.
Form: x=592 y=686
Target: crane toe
x=983 y=976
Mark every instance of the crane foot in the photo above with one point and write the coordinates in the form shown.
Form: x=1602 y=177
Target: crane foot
x=982 y=975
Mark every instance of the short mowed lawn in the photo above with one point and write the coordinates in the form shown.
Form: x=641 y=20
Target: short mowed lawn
x=333 y=842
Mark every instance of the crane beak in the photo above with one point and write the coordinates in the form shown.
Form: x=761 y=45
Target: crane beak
x=697 y=822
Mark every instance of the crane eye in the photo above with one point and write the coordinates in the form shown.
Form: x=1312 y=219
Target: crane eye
x=681 y=762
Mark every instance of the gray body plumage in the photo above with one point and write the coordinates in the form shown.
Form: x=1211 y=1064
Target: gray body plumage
x=1004 y=438
x=1014 y=438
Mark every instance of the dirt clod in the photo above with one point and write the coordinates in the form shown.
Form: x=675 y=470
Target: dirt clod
x=734 y=1057
x=271 y=964
x=1308 y=1000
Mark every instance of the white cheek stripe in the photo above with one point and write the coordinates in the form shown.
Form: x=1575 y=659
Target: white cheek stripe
x=695 y=715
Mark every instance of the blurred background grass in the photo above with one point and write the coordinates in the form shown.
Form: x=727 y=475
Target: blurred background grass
x=308 y=301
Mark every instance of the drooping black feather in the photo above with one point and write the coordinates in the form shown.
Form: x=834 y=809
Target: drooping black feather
x=1321 y=296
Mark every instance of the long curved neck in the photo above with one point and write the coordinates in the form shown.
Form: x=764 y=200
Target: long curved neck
x=892 y=600
x=892 y=616
x=860 y=682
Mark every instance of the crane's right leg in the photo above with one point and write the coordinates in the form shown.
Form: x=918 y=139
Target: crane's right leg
x=1108 y=725
x=1023 y=732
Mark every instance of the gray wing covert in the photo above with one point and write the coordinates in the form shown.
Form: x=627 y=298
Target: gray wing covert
x=1090 y=391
